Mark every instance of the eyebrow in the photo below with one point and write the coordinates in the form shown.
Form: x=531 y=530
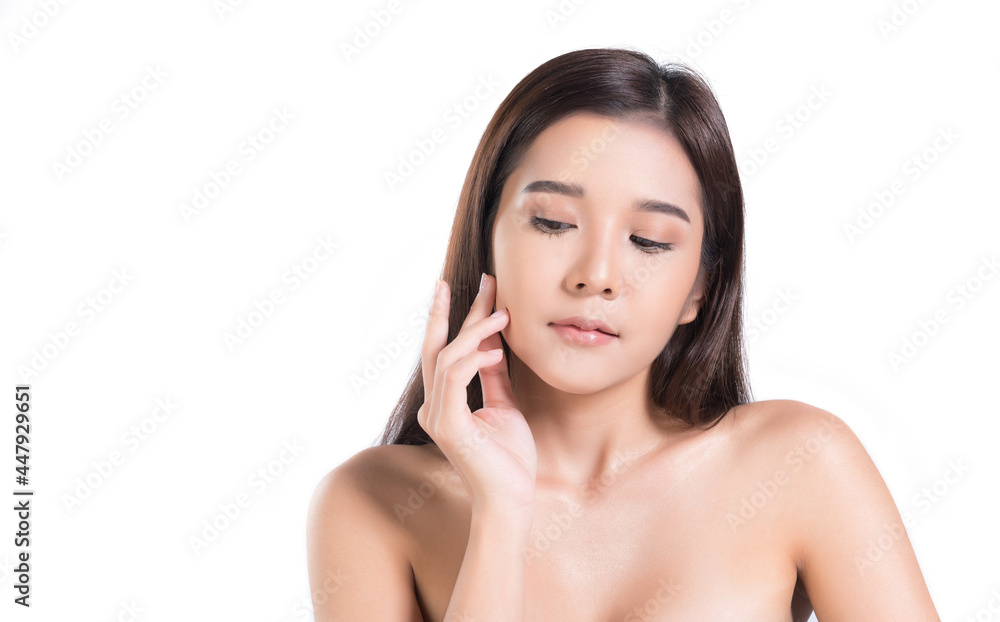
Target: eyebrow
x=576 y=191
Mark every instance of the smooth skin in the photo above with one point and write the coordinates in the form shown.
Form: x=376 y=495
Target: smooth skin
x=492 y=451
x=569 y=500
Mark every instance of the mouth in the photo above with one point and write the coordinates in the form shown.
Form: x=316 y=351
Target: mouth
x=587 y=325
x=581 y=331
x=577 y=336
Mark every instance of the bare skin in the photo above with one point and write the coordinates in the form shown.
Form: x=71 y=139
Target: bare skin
x=642 y=542
x=668 y=536
x=623 y=513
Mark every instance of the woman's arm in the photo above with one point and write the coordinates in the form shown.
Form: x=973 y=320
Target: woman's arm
x=358 y=569
x=490 y=585
x=856 y=559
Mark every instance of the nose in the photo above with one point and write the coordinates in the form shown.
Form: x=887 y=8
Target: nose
x=597 y=269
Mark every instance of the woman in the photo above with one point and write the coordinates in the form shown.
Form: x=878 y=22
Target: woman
x=609 y=464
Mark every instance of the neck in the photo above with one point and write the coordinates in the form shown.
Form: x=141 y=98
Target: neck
x=582 y=438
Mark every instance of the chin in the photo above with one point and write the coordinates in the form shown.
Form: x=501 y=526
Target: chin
x=567 y=369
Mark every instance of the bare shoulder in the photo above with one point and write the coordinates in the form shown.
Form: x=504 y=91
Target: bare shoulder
x=784 y=449
x=371 y=464
x=783 y=420
x=353 y=490
x=354 y=541
x=388 y=483
x=812 y=451
x=373 y=477
x=847 y=537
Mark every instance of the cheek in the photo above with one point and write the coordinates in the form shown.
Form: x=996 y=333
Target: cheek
x=522 y=266
x=669 y=269
x=656 y=293
x=655 y=276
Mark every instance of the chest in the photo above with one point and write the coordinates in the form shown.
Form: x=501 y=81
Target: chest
x=637 y=555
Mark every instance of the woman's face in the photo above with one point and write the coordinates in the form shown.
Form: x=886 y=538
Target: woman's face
x=611 y=259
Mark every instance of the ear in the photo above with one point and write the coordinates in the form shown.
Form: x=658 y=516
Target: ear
x=694 y=301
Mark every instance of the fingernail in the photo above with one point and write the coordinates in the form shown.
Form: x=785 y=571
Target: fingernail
x=497 y=313
x=482 y=282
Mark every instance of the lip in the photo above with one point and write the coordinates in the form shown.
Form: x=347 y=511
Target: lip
x=587 y=325
x=579 y=330
x=583 y=337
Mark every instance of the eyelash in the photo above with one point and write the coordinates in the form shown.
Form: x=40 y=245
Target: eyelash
x=543 y=226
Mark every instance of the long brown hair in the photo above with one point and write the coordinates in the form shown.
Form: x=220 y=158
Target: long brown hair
x=701 y=373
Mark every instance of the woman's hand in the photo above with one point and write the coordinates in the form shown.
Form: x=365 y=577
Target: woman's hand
x=492 y=449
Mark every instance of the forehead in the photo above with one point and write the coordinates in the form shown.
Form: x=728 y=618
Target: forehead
x=613 y=161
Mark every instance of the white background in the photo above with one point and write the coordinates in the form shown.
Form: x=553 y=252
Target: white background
x=63 y=237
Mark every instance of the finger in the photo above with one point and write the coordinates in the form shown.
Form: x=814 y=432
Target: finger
x=451 y=390
x=482 y=305
x=495 y=381
x=470 y=339
x=435 y=336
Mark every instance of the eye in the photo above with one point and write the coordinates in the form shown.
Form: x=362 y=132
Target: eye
x=649 y=246
x=551 y=228
x=546 y=226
